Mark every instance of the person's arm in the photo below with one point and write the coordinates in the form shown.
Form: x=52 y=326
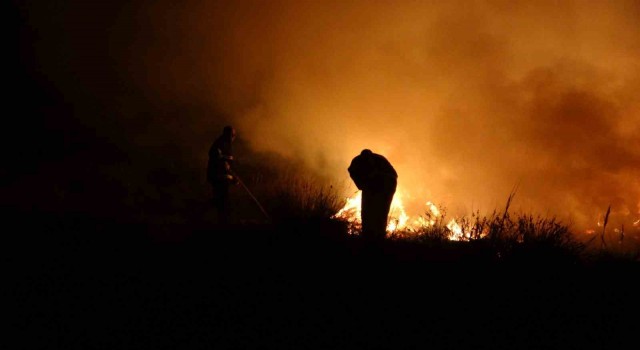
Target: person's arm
x=356 y=176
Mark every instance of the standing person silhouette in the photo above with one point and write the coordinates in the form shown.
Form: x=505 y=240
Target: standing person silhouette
x=375 y=176
x=219 y=173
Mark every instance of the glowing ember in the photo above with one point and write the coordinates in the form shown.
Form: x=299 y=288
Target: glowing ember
x=399 y=221
x=636 y=223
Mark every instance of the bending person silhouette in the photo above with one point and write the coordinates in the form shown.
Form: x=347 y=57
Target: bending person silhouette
x=375 y=176
x=219 y=173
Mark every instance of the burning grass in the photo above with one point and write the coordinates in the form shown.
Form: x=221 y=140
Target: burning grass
x=509 y=236
x=300 y=199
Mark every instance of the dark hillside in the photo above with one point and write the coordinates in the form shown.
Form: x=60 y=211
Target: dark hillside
x=294 y=287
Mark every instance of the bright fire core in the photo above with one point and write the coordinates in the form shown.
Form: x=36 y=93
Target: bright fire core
x=399 y=222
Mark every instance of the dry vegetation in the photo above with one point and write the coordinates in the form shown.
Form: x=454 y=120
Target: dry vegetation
x=502 y=235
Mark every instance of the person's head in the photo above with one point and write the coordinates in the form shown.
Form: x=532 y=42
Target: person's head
x=366 y=156
x=229 y=133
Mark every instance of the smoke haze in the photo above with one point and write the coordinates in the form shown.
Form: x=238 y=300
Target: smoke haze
x=467 y=99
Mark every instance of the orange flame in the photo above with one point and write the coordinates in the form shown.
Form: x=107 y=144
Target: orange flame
x=399 y=221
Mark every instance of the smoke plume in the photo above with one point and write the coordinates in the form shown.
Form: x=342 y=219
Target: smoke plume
x=467 y=99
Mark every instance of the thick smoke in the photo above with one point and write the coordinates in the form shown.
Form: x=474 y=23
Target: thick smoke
x=468 y=100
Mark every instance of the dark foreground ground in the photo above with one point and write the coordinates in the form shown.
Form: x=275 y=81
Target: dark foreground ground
x=289 y=288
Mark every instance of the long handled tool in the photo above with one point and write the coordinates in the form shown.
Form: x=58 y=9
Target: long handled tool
x=251 y=195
